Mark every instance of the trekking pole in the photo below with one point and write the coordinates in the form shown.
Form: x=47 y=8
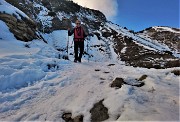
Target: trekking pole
x=67 y=47
x=88 y=49
x=72 y=44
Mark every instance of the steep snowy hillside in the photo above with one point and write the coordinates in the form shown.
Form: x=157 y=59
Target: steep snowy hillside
x=136 y=50
x=38 y=84
x=164 y=35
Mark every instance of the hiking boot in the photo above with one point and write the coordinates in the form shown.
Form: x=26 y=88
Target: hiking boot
x=75 y=60
x=79 y=60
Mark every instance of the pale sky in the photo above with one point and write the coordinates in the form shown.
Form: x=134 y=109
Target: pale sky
x=108 y=7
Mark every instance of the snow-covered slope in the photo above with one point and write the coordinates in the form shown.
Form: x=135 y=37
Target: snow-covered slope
x=9 y=9
x=37 y=86
x=146 y=41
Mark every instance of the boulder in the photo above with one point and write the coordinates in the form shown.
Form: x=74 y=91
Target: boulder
x=99 y=112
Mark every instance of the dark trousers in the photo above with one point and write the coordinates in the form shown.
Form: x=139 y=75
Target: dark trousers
x=78 y=45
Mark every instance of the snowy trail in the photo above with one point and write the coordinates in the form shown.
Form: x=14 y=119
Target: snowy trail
x=78 y=87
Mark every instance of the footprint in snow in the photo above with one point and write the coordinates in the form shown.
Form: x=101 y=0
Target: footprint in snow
x=97 y=70
x=106 y=72
x=111 y=65
x=102 y=79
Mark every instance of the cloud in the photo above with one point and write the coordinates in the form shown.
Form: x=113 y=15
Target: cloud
x=108 y=7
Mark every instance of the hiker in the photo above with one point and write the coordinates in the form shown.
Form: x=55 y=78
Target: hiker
x=79 y=35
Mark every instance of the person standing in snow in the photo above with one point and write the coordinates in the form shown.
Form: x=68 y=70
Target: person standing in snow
x=79 y=36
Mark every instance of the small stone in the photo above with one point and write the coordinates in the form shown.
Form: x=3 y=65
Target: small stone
x=118 y=82
x=67 y=117
x=78 y=118
x=143 y=77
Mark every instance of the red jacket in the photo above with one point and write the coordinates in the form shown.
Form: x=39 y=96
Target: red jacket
x=79 y=33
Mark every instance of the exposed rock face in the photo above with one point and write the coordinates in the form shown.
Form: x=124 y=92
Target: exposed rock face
x=23 y=30
x=63 y=24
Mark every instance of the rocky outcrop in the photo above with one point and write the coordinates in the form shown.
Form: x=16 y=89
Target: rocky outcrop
x=23 y=29
x=63 y=24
